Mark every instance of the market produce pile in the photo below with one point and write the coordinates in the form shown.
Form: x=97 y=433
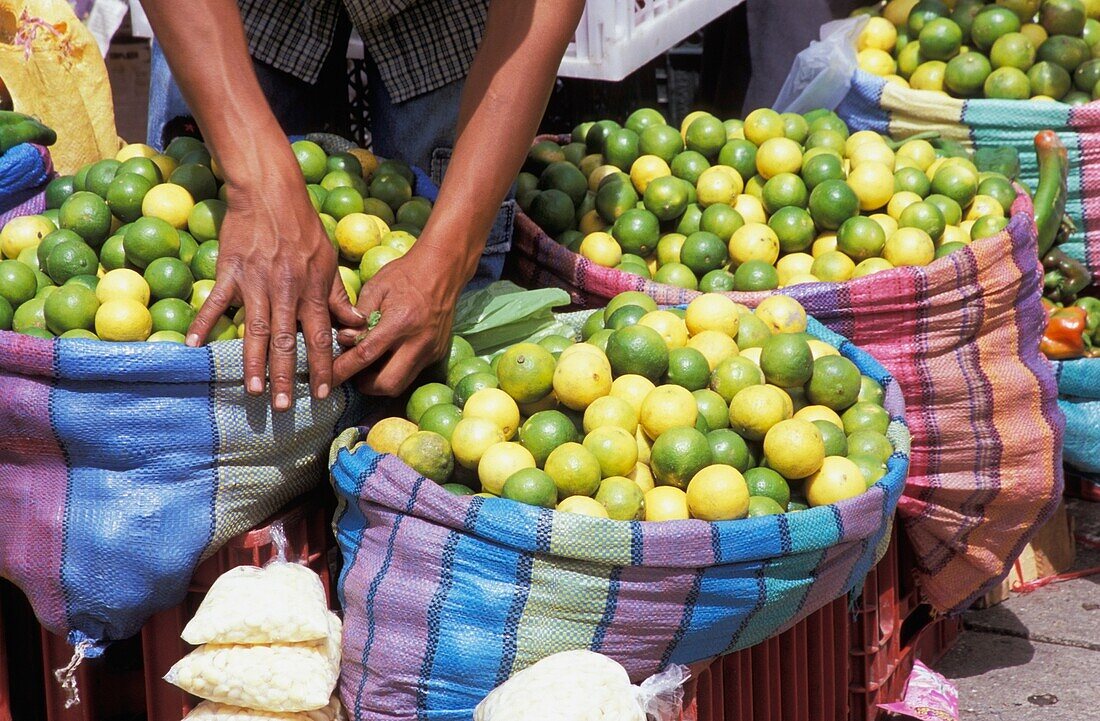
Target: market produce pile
x=1007 y=50
x=714 y=412
x=127 y=249
x=768 y=202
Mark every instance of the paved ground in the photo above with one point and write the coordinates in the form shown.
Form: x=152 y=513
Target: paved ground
x=1035 y=657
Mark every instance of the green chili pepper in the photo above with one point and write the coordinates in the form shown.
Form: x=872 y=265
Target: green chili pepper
x=1050 y=196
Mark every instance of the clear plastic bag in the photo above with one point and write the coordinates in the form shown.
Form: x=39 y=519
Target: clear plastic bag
x=285 y=678
x=279 y=603
x=210 y=711
x=583 y=686
x=822 y=73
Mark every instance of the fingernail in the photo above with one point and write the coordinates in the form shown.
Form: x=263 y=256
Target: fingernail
x=322 y=391
x=282 y=401
x=356 y=312
x=193 y=340
x=255 y=385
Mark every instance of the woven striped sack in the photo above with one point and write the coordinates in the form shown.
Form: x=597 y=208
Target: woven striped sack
x=125 y=464
x=1079 y=399
x=24 y=170
x=445 y=597
x=868 y=102
x=962 y=335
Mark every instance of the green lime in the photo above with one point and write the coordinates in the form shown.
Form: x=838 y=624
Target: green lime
x=621 y=148
x=88 y=281
x=69 y=259
x=172 y=314
x=836 y=443
x=865 y=416
x=311 y=159
x=786 y=360
x=144 y=167
x=740 y=155
x=341 y=202
x=553 y=211
x=957 y=182
x=204 y=264
x=755 y=275
x=83 y=334
x=640 y=350
x=169 y=277
x=662 y=140
x=375 y=207
x=87 y=215
x=531 y=486
x=827 y=139
x=831 y=203
x=721 y=220
x=643 y=118
x=706 y=135
x=952 y=211
x=1049 y=79
x=574 y=153
x=181 y=145
x=870 y=391
x=637 y=231
x=947 y=249
x=526 y=372
x=703 y=252
x=677 y=275
x=988 y=226
x=677 y=455
x=70 y=308
x=625 y=316
x=100 y=175
x=966 y=74
x=148 y=239
x=795 y=127
x=923 y=215
x=205 y=219
x=124 y=196
x=18 y=283
x=1068 y=52
x=716 y=281
x=441 y=419
x=860 y=238
x=828 y=121
x=871 y=468
x=783 y=190
x=912 y=180
x=597 y=135
x=1000 y=188
x=544 y=431
x=689 y=165
x=729 y=449
x=197 y=179
x=112 y=255
x=752 y=332
x=1087 y=75
x=940 y=39
x=766 y=483
x=733 y=375
x=794 y=227
x=712 y=408
x=350 y=164
x=834 y=383
x=1013 y=50
x=471 y=384
x=689 y=368
x=58 y=191
x=415 y=212
x=992 y=23
x=464 y=367
x=80 y=176
x=51 y=241
x=393 y=190
x=667 y=197
x=1007 y=84
x=565 y=177
x=870 y=443
x=761 y=506
x=822 y=167
x=30 y=316
x=1062 y=17
x=426 y=396
x=188 y=247
x=690 y=221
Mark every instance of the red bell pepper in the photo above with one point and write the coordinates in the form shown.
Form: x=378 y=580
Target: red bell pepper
x=1064 y=337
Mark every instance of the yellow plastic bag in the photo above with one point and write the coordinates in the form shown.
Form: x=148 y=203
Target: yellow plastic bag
x=54 y=71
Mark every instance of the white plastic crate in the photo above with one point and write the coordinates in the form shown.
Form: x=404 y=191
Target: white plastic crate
x=616 y=37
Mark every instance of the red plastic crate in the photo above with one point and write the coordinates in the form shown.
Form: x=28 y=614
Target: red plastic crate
x=126 y=683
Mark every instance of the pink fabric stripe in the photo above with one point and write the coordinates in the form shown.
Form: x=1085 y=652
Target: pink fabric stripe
x=31 y=522
x=26 y=354
x=392 y=669
x=1086 y=120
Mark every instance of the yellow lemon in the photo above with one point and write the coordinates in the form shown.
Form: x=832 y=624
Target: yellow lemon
x=879 y=34
x=612 y=411
x=794 y=448
x=582 y=505
x=919 y=151
x=819 y=413
x=601 y=249
x=642 y=476
x=22 y=233
x=713 y=311
x=614 y=448
x=716 y=185
x=644 y=170
x=909 y=246
x=954 y=234
x=778 y=155
x=873 y=153
x=899 y=203
x=494 y=405
x=984 y=205
x=668 y=325
x=632 y=389
x=471 y=438
x=715 y=346
x=873 y=184
x=782 y=314
x=591 y=222
x=581 y=378
x=356 y=233
x=756 y=409
x=387 y=435
x=499 y=461
x=802 y=278
x=825 y=243
x=166 y=164
x=871 y=266
x=122 y=283
x=837 y=479
x=123 y=319
x=750 y=208
x=645 y=446
x=601 y=172
x=718 y=493
x=888 y=223
x=668 y=406
x=877 y=62
x=820 y=348
x=754 y=241
x=666 y=503
x=791 y=265
x=169 y=202
x=135 y=150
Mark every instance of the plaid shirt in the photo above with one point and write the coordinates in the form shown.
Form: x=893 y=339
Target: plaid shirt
x=418 y=45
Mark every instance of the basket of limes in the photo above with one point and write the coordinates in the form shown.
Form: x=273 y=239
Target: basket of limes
x=651 y=493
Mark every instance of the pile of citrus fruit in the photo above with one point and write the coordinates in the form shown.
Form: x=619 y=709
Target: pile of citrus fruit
x=1008 y=50
x=713 y=412
x=768 y=202
x=128 y=247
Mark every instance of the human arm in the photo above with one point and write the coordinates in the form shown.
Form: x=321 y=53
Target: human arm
x=275 y=257
x=502 y=103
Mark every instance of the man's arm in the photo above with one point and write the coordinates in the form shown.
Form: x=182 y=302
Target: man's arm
x=274 y=256
x=502 y=103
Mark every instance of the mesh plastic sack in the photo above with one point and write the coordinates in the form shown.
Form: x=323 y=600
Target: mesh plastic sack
x=210 y=711
x=286 y=678
x=280 y=603
x=583 y=686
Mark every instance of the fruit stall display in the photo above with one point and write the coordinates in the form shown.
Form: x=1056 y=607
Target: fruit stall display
x=127 y=248
x=714 y=412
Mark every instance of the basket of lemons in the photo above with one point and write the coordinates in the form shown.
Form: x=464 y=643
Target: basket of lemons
x=650 y=488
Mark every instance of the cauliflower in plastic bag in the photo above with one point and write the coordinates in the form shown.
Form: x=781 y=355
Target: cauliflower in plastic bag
x=280 y=603
x=582 y=686
x=210 y=711
x=288 y=677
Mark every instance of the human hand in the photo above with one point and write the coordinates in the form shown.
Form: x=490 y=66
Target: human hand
x=415 y=299
x=276 y=260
